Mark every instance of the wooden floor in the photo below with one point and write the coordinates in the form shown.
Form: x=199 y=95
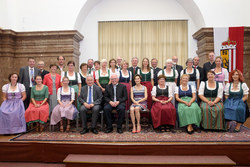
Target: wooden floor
x=56 y=152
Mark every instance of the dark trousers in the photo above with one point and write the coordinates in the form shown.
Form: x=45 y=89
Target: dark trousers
x=27 y=100
x=108 y=115
x=95 y=112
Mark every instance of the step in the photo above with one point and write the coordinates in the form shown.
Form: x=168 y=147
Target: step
x=77 y=160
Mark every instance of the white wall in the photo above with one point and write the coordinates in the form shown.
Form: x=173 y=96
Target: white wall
x=39 y=15
x=117 y=10
x=225 y=13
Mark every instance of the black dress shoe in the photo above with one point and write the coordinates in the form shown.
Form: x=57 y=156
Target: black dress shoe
x=93 y=130
x=109 y=131
x=85 y=130
x=172 y=130
x=119 y=131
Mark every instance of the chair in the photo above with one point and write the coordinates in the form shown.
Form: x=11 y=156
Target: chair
x=142 y=112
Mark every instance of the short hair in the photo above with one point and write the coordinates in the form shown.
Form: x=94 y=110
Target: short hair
x=89 y=75
x=90 y=59
x=38 y=76
x=188 y=60
x=185 y=75
x=60 y=56
x=161 y=76
x=218 y=57
x=83 y=64
x=112 y=60
x=241 y=78
x=210 y=71
x=154 y=59
x=71 y=62
x=10 y=75
x=52 y=65
x=124 y=62
x=31 y=58
x=138 y=75
x=98 y=62
x=135 y=58
x=169 y=61
x=65 y=78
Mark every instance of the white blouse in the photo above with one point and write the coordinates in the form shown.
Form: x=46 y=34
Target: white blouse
x=116 y=72
x=202 y=88
x=153 y=92
x=61 y=91
x=197 y=73
x=243 y=85
x=126 y=76
x=177 y=89
x=19 y=86
x=151 y=70
x=168 y=75
x=101 y=74
x=73 y=77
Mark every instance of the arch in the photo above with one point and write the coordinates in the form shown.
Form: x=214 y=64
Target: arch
x=189 y=6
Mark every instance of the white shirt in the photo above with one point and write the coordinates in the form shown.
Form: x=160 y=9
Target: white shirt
x=226 y=75
x=91 y=94
x=243 y=85
x=31 y=76
x=73 y=77
x=202 y=88
x=197 y=73
x=116 y=72
x=177 y=89
x=126 y=76
x=101 y=74
x=153 y=92
x=19 y=86
x=59 y=93
x=139 y=71
x=168 y=75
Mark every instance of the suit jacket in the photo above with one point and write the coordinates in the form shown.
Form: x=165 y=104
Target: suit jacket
x=207 y=67
x=121 y=93
x=201 y=73
x=156 y=70
x=44 y=73
x=97 y=95
x=25 y=77
x=133 y=74
x=48 y=81
x=179 y=68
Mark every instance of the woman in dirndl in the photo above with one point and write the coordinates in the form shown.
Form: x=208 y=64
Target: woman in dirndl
x=74 y=80
x=171 y=77
x=65 y=108
x=236 y=94
x=83 y=73
x=194 y=74
x=139 y=102
x=38 y=110
x=212 y=110
x=103 y=75
x=163 y=111
x=221 y=74
x=188 y=110
x=12 y=110
x=147 y=75
x=126 y=79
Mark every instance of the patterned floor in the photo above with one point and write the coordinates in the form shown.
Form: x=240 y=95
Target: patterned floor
x=147 y=135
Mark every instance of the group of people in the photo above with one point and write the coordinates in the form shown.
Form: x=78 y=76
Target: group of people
x=209 y=97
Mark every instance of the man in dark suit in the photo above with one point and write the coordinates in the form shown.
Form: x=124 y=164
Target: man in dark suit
x=196 y=61
x=40 y=66
x=27 y=76
x=134 y=68
x=115 y=96
x=156 y=69
x=91 y=98
x=177 y=67
x=209 y=65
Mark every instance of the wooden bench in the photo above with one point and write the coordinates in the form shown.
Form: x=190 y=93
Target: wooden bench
x=78 y=160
